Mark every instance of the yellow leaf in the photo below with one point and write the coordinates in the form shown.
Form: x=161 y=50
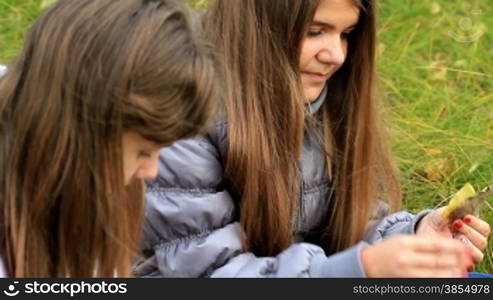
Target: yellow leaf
x=461 y=63
x=440 y=74
x=435 y=8
x=458 y=201
x=433 y=151
x=473 y=168
x=46 y=3
x=436 y=169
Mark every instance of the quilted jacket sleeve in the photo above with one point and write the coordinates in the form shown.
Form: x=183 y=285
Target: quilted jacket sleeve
x=191 y=229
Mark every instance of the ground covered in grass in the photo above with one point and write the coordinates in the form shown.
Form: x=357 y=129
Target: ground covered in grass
x=435 y=69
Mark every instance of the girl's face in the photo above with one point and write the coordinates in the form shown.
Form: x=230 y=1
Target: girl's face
x=140 y=157
x=324 y=48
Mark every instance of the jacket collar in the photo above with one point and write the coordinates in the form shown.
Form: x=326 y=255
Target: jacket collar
x=315 y=105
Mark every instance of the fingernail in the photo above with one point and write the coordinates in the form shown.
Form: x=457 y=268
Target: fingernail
x=465 y=275
x=458 y=224
x=468 y=220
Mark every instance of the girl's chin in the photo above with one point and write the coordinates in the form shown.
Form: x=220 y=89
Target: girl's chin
x=312 y=93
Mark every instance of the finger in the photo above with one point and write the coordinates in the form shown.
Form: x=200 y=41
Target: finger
x=450 y=273
x=436 y=273
x=478 y=224
x=475 y=254
x=436 y=219
x=465 y=255
x=437 y=260
x=437 y=244
x=475 y=237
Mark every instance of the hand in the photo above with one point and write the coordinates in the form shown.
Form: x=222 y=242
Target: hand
x=433 y=224
x=413 y=256
x=473 y=232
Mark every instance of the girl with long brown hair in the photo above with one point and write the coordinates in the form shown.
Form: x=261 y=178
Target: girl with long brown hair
x=99 y=88
x=294 y=181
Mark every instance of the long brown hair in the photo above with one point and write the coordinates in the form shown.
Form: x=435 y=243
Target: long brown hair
x=89 y=71
x=260 y=42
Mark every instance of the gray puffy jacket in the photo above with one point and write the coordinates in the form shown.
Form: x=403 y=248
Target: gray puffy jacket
x=192 y=228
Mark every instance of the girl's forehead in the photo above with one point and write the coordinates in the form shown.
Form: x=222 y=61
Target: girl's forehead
x=337 y=13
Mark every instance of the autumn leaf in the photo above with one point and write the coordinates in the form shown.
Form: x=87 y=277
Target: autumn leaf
x=46 y=3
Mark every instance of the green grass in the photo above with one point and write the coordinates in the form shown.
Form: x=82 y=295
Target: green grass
x=438 y=91
x=15 y=17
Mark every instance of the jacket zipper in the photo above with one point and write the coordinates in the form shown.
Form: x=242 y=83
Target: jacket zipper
x=300 y=214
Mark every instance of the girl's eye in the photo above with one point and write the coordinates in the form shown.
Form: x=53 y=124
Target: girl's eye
x=314 y=32
x=144 y=154
x=346 y=35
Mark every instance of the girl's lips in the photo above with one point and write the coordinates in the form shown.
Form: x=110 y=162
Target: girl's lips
x=316 y=76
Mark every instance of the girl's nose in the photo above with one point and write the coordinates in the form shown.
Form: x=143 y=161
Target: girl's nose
x=147 y=172
x=332 y=54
